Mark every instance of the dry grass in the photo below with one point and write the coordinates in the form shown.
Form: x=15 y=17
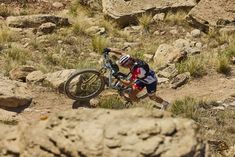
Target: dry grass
x=99 y=43
x=176 y=18
x=188 y=107
x=111 y=102
x=145 y=20
x=5 y=35
x=196 y=65
x=14 y=57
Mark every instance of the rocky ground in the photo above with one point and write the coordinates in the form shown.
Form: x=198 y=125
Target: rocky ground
x=192 y=51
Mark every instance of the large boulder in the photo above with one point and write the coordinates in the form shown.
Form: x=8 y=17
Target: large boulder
x=166 y=54
x=212 y=13
x=104 y=133
x=13 y=93
x=125 y=11
x=57 y=79
x=32 y=21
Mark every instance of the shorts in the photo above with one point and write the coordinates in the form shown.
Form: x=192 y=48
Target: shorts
x=151 y=88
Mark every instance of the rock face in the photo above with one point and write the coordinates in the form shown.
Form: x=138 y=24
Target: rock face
x=31 y=21
x=125 y=11
x=13 y=93
x=103 y=133
x=212 y=13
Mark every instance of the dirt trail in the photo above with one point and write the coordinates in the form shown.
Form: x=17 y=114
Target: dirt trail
x=211 y=87
x=215 y=87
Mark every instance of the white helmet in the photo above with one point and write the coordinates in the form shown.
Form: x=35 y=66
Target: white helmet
x=124 y=59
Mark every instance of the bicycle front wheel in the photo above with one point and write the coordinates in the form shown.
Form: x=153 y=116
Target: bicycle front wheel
x=84 y=85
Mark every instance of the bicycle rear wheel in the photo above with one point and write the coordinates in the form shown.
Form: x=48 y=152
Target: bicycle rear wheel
x=84 y=85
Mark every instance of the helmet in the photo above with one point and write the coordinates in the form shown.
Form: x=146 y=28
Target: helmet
x=124 y=59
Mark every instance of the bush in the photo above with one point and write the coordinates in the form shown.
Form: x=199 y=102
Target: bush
x=145 y=21
x=5 y=35
x=79 y=28
x=112 y=102
x=195 y=65
x=5 y=11
x=223 y=64
x=176 y=18
x=188 y=107
x=15 y=56
x=99 y=43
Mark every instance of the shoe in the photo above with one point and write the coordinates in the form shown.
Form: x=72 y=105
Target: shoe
x=165 y=105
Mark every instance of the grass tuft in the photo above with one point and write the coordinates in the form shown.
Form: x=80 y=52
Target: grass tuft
x=223 y=64
x=176 y=18
x=5 y=35
x=145 y=21
x=112 y=102
x=99 y=43
x=187 y=107
x=195 y=65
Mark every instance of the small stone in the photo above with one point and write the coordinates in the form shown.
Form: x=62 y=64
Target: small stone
x=219 y=108
x=162 y=80
x=95 y=30
x=35 y=77
x=47 y=28
x=196 y=33
x=180 y=80
x=21 y=73
x=159 y=17
x=199 y=45
x=94 y=102
x=58 y=5
x=174 y=31
x=156 y=33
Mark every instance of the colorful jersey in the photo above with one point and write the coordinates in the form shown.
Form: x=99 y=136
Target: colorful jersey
x=140 y=74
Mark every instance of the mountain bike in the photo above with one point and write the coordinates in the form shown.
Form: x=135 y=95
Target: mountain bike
x=89 y=83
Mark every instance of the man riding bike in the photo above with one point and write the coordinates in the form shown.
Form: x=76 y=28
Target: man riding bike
x=141 y=76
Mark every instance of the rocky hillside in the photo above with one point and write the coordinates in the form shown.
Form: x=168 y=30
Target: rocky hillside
x=190 y=44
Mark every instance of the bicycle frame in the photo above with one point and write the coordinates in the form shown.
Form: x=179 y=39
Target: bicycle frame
x=107 y=67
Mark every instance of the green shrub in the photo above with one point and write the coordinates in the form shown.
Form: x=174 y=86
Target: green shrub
x=188 y=107
x=99 y=43
x=195 y=65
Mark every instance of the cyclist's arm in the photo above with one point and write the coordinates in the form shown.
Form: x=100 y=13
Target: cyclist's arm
x=117 y=51
x=127 y=82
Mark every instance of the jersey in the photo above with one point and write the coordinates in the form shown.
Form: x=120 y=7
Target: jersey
x=142 y=72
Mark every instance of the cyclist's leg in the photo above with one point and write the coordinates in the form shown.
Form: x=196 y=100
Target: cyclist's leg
x=151 y=89
x=136 y=88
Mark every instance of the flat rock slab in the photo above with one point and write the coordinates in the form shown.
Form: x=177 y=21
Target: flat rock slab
x=13 y=93
x=126 y=10
x=107 y=133
x=32 y=21
x=212 y=13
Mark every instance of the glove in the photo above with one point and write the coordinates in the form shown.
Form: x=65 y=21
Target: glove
x=107 y=50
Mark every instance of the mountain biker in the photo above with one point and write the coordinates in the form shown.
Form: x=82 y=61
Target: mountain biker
x=141 y=76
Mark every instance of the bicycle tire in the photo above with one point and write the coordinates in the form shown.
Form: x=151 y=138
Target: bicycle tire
x=86 y=97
